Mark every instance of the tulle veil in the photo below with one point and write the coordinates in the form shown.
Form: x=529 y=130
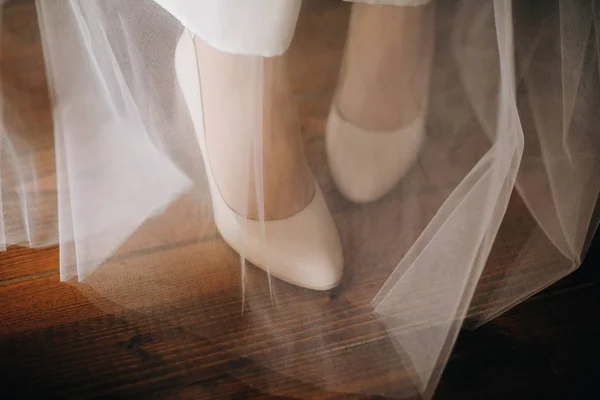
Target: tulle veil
x=500 y=205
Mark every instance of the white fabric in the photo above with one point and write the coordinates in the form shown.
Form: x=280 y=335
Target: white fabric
x=256 y=27
x=499 y=206
x=403 y=3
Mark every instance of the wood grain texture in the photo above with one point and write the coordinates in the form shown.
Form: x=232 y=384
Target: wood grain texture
x=58 y=342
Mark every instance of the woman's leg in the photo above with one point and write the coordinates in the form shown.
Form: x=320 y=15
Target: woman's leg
x=242 y=108
x=243 y=94
x=384 y=82
x=376 y=124
x=247 y=99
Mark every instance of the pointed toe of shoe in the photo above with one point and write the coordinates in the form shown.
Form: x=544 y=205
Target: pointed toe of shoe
x=304 y=250
x=318 y=266
x=367 y=165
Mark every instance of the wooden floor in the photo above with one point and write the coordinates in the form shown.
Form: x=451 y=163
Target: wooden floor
x=55 y=343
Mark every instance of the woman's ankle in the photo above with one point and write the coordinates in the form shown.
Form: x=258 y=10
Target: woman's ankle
x=249 y=109
x=385 y=78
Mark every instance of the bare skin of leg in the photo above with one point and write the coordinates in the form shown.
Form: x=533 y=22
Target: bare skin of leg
x=384 y=85
x=247 y=97
x=385 y=78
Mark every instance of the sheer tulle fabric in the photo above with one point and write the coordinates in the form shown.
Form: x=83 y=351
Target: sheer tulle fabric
x=500 y=205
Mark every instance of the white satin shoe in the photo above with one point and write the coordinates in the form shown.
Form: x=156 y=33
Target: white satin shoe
x=304 y=249
x=367 y=165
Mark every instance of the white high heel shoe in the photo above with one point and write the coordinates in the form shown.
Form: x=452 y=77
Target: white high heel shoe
x=367 y=165
x=304 y=249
